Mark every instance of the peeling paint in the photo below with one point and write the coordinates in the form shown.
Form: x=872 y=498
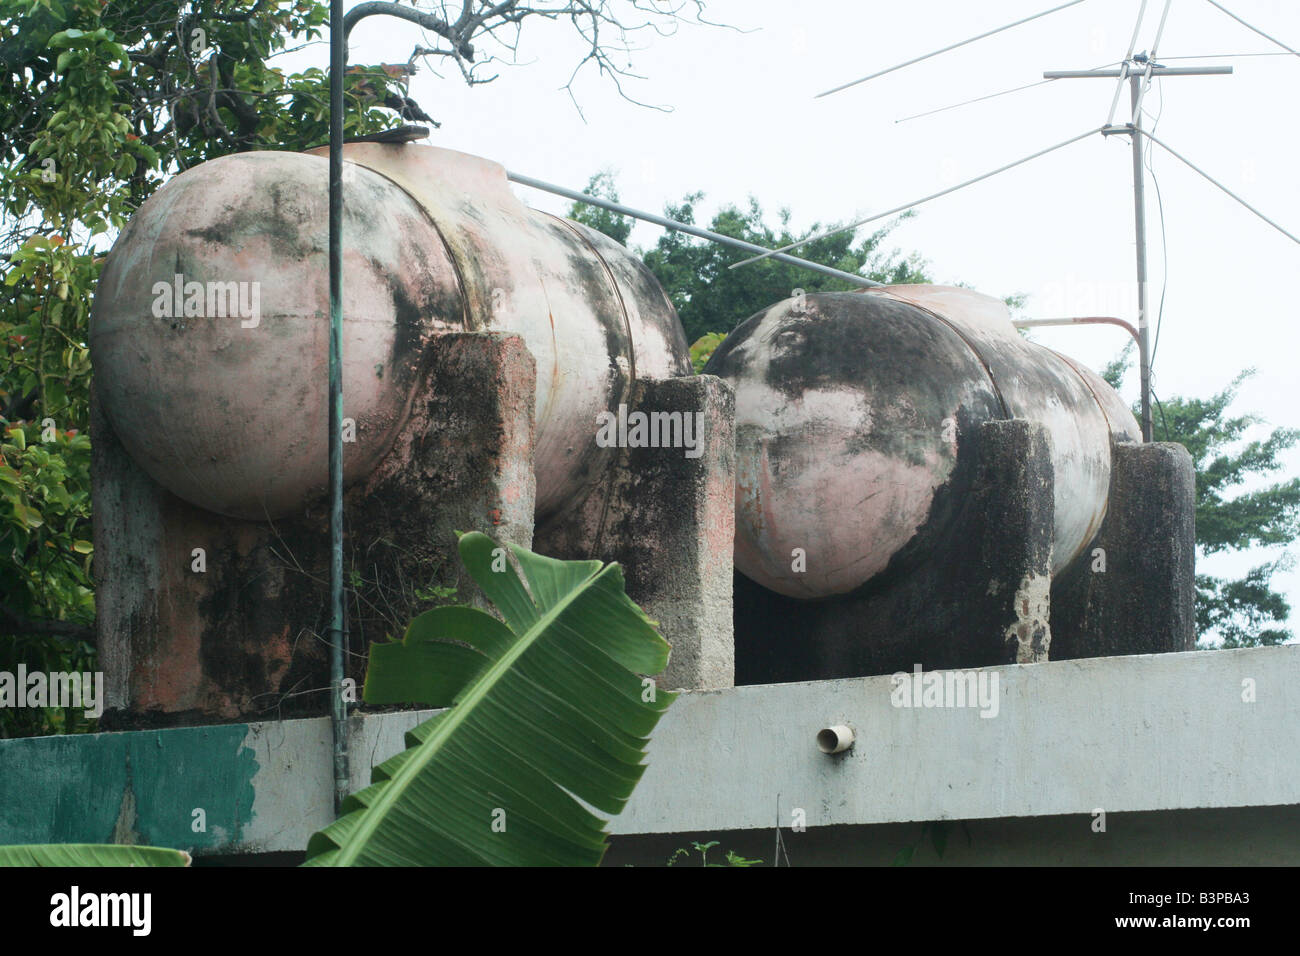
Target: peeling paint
x=136 y=788
x=1031 y=634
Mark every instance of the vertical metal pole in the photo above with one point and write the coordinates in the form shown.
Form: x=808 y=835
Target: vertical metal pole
x=1136 y=80
x=338 y=710
x=1140 y=228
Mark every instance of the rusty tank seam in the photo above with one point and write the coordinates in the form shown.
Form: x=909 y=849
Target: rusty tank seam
x=613 y=282
x=1006 y=411
x=1094 y=529
x=1088 y=385
x=446 y=246
x=426 y=360
x=631 y=363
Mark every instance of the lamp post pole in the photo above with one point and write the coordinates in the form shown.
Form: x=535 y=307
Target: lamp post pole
x=338 y=709
x=341 y=25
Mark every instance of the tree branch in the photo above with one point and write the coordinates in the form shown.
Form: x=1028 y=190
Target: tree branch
x=426 y=20
x=13 y=623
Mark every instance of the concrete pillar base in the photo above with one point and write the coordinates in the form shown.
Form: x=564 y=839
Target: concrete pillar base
x=668 y=516
x=209 y=619
x=1134 y=590
x=982 y=601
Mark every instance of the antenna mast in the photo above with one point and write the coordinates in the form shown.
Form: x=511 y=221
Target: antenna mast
x=1138 y=69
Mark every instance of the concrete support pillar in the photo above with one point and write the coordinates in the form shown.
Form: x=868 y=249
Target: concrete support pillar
x=1134 y=592
x=668 y=516
x=1014 y=500
x=209 y=619
x=983 y=600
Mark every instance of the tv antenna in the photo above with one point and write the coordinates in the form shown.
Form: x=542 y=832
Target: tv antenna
x=1138 y=70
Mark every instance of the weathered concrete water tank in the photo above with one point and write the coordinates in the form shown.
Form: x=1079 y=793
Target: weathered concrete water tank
x=210 y=329
x=854 y=410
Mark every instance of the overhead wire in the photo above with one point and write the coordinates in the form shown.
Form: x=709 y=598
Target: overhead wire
x=990 y=96
x=1149 y=63
x=1156 y=398
x=1191 y=165
x=916 y=202
x=1254 y=29
x=1223 y=56
x=1164 y=245
x=978 y=99
x=953 y=46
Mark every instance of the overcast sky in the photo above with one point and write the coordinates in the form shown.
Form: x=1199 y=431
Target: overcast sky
x=744 y=121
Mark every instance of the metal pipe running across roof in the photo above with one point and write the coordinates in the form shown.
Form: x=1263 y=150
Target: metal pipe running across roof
x=689 y=229
x=1079 y=320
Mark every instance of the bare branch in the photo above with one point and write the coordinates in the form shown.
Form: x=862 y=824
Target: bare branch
x=607 y=28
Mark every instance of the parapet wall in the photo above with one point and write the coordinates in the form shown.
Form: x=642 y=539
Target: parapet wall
x=1090 y=759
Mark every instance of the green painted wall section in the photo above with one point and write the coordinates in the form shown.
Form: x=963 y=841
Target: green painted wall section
x=141 y=787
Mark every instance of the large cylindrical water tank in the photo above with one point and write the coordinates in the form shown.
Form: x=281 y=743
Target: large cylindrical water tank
x=854 y=411
x=227 y=409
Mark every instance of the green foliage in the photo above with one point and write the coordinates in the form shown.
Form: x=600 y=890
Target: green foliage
x=101 y=101
x=435 y=592
x=611 y=224
x=1245 y=612
x=1115 y=370
x=189 y=80
x=91 y=854
x=45 y=525
x=702 y=349
x=733 y=858
x=1225 y=460
x=542 y=707
x=710 y=297
x=47 y=605
x=938 y=832
x=1016 y=301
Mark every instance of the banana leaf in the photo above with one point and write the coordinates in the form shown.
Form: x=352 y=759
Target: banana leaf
x=90 y=854
x=546 y=720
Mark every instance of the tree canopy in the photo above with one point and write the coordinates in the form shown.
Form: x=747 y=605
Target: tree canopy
x=709 y=296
